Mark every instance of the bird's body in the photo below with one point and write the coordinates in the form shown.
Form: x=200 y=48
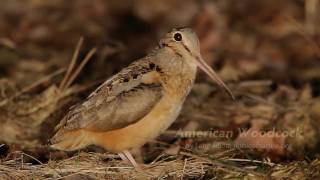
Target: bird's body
x=137 y=104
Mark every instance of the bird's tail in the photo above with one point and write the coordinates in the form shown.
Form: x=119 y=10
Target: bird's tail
x=70 y=140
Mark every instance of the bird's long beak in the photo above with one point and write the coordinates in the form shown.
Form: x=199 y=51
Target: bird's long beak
x=213 y=75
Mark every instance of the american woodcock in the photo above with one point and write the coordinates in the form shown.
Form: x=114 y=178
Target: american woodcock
x=141 y=101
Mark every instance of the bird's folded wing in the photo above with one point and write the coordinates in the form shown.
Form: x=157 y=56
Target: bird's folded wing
x=122 y=100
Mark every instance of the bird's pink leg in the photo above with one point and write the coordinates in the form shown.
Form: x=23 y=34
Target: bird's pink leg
x=129 y=157
x=124 y=158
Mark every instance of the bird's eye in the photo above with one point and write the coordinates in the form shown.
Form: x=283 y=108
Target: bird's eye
x=177 y=37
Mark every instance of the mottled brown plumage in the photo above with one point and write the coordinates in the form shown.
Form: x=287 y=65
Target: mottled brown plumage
x=141 y=101
x=114 y=104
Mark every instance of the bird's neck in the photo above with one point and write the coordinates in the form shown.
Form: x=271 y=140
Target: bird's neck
x=179 y=72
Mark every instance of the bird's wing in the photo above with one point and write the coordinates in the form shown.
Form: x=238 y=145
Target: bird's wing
x=120 y=101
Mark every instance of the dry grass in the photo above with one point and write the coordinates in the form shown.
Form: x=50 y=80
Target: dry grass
x=183 y=166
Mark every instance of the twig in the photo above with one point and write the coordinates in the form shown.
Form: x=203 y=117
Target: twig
x=252 y=161
x=38 y=161
x=301 y=31
x=260 y=99
x=82 y=64
x=255 y=83
x=72 y=64
x=220 y=164
x=311 y=7
x=33 y=85
x=184 y=167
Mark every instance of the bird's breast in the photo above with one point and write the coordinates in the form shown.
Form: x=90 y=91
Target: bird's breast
x=178 y=87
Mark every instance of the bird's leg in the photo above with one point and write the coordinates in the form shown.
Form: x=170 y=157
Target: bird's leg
x=131 y=159
x=124 y=158
x=135 y=164
x=127 y=158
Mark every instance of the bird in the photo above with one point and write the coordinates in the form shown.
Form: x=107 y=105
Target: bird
x=138 y=103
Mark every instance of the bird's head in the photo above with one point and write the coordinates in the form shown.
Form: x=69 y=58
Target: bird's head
x=184 y=42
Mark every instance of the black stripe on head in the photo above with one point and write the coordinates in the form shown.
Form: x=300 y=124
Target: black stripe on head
x=173 y=49
x=186 y=48
x=178 y=54
x=161 y=45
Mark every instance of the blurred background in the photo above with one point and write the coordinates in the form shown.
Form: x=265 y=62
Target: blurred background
x=267 y=51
